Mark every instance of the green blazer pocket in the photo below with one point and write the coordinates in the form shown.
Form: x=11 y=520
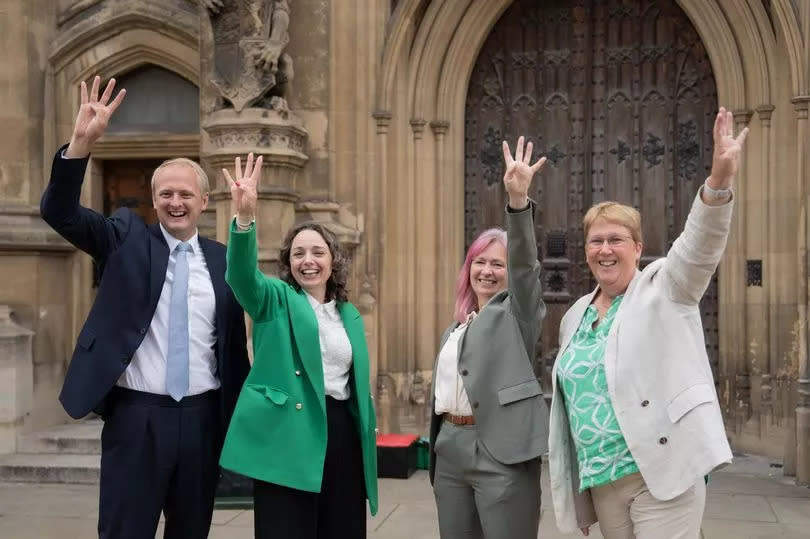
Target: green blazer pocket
x=276 y=396
x=519 y=392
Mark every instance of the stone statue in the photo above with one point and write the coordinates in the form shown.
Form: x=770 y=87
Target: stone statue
x=251 y=68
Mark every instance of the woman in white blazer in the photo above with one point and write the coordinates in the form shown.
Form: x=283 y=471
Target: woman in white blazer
x=635 y=421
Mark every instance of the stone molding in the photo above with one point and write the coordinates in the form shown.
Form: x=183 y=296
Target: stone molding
x=22 y=230
x=280 y=139
x=328 y=213
x=146 y=146
x=801 y=105
x=111 y=17
x=16 y=378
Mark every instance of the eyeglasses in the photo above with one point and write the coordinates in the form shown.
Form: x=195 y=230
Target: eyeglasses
x=614 y=241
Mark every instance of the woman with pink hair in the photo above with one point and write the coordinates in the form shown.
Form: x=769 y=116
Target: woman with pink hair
x=489 y=422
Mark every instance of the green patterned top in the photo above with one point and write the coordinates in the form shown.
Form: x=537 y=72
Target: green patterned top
x=602 y=451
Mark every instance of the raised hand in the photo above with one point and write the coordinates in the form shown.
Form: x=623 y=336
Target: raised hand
x=94 y=115
x=244 y=187
x=727 y=151
x=518 y=175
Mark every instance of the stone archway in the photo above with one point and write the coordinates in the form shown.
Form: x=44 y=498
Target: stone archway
x=621 y=99
x=427 y=62
x=111 y=39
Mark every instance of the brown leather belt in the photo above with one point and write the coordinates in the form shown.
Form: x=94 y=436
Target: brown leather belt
x=460 y=419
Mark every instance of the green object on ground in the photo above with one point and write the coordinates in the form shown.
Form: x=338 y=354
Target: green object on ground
x=423 y=453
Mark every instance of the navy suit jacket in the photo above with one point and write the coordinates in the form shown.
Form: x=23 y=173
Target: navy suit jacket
x=134 y=257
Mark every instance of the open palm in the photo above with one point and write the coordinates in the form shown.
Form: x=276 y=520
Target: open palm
x=518 y=175
x=93 y=117
x=727 y=150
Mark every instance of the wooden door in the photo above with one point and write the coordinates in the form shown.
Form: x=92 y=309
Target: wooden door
x=127 y=183
x=620 y=96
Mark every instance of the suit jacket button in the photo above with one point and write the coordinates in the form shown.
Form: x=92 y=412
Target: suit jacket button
x=662 y=440
x=143 y=331
x=298 y=406
x=465 y=372
x=125 y=360
x=645 y=403
x=475 y=405
x=298 y=373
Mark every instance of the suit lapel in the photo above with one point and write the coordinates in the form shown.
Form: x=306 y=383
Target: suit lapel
x=216 y=270
x=159 y=262
x=305 y=330
x=353 y=324
x=620 y=311
x=574 y=318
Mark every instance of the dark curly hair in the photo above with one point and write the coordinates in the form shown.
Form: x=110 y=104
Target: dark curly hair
x=336 y=285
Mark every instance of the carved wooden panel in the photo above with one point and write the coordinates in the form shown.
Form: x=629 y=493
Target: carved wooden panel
x=621 y=98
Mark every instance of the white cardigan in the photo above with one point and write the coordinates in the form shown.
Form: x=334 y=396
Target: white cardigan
x=658 y=374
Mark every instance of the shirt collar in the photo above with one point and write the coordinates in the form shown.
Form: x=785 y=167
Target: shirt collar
x=329 y=307
x=172 y=242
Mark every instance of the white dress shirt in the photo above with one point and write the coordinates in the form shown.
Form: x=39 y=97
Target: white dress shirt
x=451 y=397
x=147 y=370
x=336 y=350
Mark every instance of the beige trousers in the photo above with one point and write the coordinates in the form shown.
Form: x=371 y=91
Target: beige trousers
x=627 y=510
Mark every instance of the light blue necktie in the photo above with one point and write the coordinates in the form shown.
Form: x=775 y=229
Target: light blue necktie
x=177 y=354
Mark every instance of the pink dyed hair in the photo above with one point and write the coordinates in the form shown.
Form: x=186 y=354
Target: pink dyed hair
x=466 y=302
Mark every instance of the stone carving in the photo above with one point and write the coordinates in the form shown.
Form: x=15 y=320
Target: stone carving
x=251 y=68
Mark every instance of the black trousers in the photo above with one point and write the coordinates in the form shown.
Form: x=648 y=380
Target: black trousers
x=339 y=510
x=158 y=455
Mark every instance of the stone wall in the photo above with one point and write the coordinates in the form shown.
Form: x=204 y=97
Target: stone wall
x=380 y=96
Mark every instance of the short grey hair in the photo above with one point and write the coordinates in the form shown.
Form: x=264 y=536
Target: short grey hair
x=202 y=177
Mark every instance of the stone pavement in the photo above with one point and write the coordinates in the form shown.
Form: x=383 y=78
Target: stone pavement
x=747 y=500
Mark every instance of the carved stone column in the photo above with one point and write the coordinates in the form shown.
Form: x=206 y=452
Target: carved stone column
x=802 y=442
x=385 y=390
x=16 y=378
x=737 y=319
x=244 y=77
x=769 y=303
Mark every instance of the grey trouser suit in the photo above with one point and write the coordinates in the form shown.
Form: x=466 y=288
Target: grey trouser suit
x=486 y=477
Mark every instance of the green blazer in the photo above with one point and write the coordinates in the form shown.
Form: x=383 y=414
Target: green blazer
x=278 y=430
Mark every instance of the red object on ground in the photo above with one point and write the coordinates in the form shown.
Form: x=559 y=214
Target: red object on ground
x=396 y=440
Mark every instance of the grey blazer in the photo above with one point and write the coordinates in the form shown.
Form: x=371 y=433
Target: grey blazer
x=495 y=357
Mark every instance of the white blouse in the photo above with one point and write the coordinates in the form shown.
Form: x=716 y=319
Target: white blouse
x=451 y=397
x=336 y=350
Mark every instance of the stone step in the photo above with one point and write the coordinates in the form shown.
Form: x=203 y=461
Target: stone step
x=83 y=438
x=50 y=468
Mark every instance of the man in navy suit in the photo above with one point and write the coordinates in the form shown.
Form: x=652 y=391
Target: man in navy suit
x=162 y=355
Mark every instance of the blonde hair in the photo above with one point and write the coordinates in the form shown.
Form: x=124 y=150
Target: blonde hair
x=615 y=213
x=202 y=177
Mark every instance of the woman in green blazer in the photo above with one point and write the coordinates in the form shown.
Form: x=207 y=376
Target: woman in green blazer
x=304 y=424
